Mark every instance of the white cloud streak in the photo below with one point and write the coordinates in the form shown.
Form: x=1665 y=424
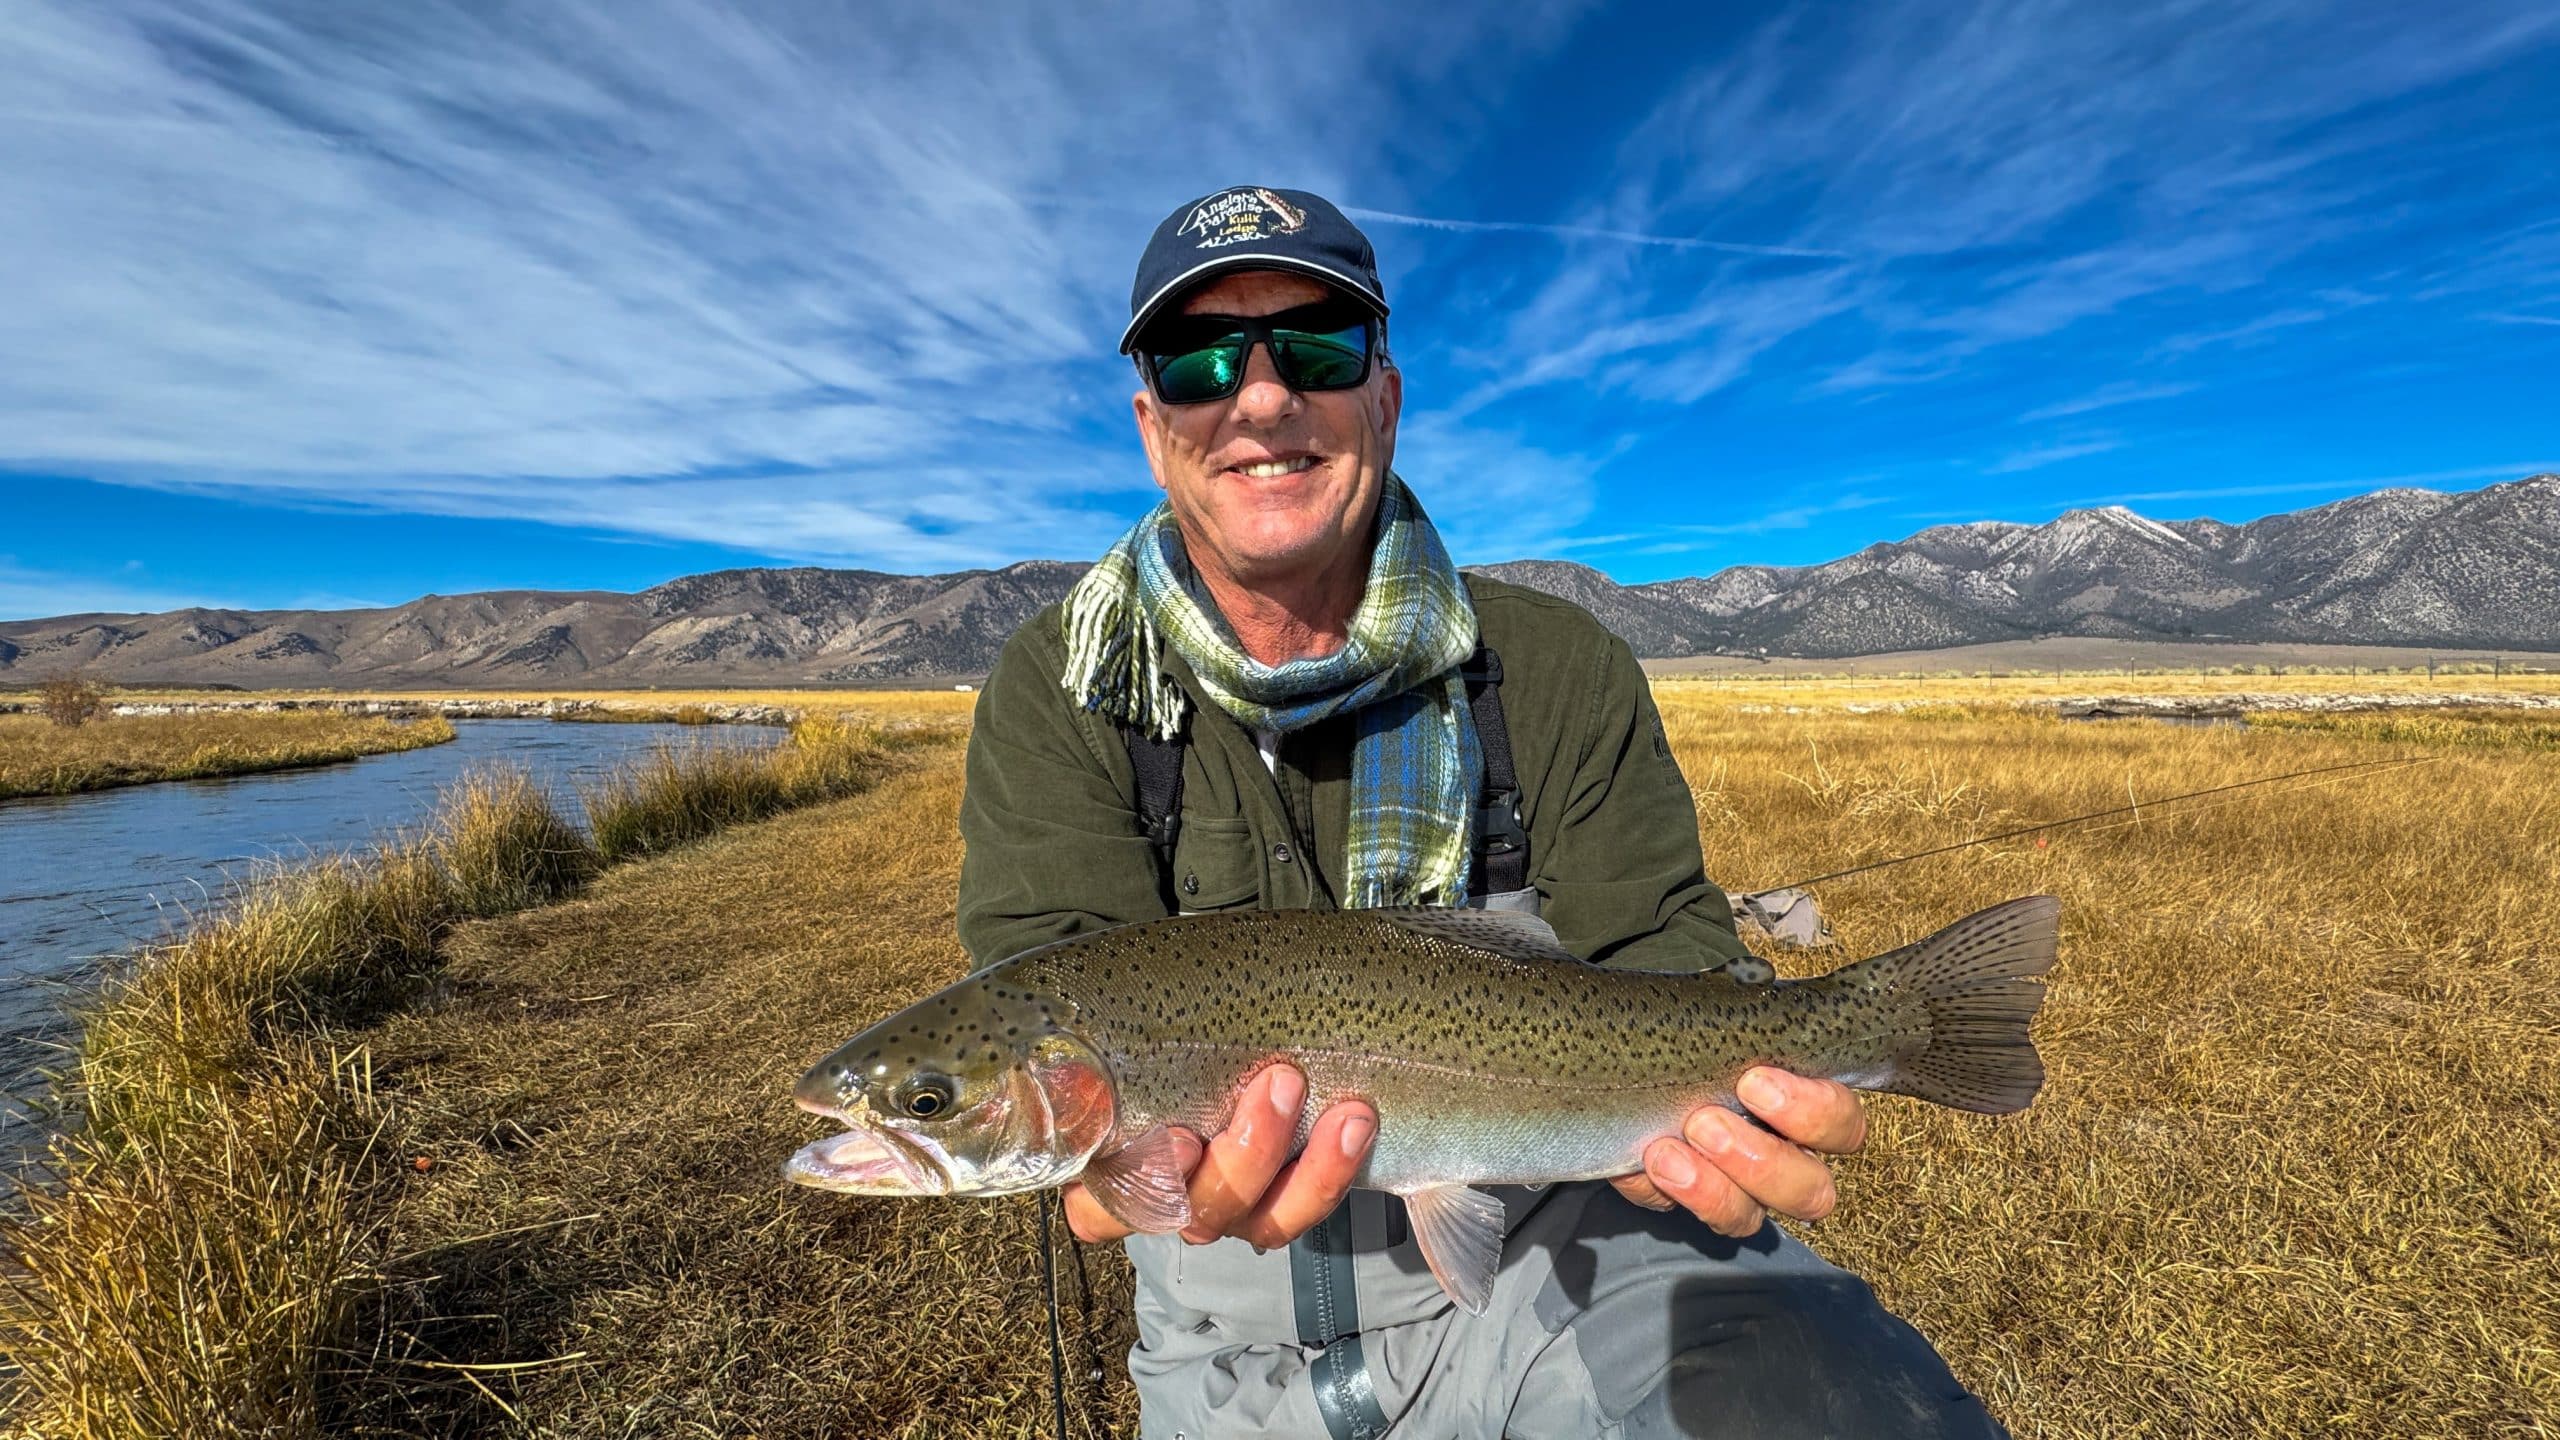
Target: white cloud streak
x=823 y=281
x=1591 y=232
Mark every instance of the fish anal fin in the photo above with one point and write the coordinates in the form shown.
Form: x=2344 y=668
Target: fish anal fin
x=1141 y=1183
x=1460 y=1231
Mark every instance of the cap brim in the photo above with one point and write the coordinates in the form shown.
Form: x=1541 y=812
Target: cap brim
x=1223 y=263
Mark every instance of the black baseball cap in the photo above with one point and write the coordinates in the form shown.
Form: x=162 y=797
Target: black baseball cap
x=1248 y=227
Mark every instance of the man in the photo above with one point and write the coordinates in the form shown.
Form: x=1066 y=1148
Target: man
x=1289 y=622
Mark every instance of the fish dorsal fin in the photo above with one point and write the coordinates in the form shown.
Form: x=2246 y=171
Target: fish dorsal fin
x=1460 y=1230
x=1508 y=933
x=1141 y=1184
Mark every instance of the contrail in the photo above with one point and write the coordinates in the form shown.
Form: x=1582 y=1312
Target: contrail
x=1587 y=232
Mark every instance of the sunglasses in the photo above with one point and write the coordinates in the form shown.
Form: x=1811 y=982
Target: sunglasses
x=1188 y=359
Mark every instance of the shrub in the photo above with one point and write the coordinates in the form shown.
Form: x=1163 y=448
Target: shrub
x=71 y=701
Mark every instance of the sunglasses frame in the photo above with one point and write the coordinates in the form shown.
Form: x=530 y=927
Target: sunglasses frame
x=1259 y=330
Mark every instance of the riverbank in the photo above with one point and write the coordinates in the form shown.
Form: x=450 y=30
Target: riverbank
x=38 y=757
x=203 y=1261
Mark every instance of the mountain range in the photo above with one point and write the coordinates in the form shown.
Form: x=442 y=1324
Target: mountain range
x=2399 y=567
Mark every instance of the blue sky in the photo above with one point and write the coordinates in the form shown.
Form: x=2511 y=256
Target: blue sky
x=346 y=302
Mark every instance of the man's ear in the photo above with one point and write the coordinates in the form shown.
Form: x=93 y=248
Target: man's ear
x=1150 y=430
x=1390 y=408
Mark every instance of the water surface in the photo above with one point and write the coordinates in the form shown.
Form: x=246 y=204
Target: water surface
x=87 y=878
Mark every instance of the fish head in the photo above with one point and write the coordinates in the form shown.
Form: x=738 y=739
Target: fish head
x=979 y=1090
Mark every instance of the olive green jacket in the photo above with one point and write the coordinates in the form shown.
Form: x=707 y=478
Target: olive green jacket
x=1054 y=845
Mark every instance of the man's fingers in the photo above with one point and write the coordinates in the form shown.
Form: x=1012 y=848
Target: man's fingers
x=1238 y=1165
x=1640 y=1189
x=1087 y=1220
x=1682 y=1174
x=1770 y=1169
x=1311 y=1185
x=1820 y=1115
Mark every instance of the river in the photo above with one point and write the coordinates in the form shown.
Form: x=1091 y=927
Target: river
x=87 y=878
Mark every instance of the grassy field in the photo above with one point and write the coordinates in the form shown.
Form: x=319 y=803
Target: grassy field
x=210 y=1248
x=38 y=757
x=2294 y=1173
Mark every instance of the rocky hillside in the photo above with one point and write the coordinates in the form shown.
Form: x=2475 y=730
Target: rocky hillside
x=2403 y=567
x=2396 y=567
x=799 y=626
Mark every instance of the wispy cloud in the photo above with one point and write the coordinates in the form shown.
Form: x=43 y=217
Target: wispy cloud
x=1682 y=537
x=2339 y=485
x=2043 y=455
x=2510 y=319
x=30 y=590
x=2008 y=170
x=2107 y=397
x=1591 y=232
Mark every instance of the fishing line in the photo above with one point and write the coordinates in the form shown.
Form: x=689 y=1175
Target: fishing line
x=2396 y=760
x=1057 y=1340
x=2412 y=763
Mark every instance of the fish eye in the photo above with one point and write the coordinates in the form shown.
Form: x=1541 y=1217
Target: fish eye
x=927 y=1096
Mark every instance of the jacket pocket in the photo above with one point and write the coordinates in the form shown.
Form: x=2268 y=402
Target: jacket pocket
x=1216 y=865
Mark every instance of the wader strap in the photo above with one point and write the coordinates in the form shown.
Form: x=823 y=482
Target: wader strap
x=1328 y=1303
x=1159 y=767
x=1501 y=842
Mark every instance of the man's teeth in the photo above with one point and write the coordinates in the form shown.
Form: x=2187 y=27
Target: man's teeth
x=1267 y=469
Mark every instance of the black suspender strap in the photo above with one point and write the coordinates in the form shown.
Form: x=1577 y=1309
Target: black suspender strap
x=1159 y=767
x=1501 y=841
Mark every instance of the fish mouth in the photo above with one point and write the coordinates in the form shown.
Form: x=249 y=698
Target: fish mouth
x=866 y=1161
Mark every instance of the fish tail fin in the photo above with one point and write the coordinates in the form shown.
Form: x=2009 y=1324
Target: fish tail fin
x=1976 y=982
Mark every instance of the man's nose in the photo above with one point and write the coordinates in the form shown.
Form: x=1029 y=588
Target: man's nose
x=1263 y=396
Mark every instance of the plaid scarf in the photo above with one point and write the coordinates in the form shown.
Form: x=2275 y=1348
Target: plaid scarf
x=1415 y=768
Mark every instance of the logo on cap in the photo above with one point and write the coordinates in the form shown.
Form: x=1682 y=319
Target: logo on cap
x=1240 y=215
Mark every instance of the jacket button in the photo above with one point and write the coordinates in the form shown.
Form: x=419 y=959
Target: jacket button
x=1191 y=883
x=1280 y=854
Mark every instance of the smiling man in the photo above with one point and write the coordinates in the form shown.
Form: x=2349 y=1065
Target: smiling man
x=1277 y=691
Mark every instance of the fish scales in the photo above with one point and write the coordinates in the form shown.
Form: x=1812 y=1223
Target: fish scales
x=1482 y=1067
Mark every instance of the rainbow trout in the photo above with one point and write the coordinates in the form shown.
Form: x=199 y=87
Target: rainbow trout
x=1493 y=1056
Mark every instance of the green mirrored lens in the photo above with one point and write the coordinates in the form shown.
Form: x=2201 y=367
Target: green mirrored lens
x=1202 y=374
x=1334 y=361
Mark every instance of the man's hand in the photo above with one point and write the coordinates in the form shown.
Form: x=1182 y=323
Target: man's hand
x=1731 y=1173
x=1243 y=1183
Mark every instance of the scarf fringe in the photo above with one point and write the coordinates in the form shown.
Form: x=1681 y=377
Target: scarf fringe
x=1416 y=766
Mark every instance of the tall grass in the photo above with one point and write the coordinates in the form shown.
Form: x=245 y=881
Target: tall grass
x=678 y=795
x=503 y=847
x=37 y=758
x=195 y=1269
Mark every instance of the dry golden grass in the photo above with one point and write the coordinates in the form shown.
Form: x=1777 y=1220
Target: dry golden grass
x=678 y=795
x=1841 y=691
x=602 y=1103
x=198 y=1265
x=877 y=708
x=2294 y=1174
x=38 y=757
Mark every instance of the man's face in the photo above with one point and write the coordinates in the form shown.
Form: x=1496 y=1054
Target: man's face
x=1216 y=460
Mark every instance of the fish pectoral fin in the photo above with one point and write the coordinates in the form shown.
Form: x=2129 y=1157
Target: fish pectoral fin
x=1142 y=1183
x=1460 y=1230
